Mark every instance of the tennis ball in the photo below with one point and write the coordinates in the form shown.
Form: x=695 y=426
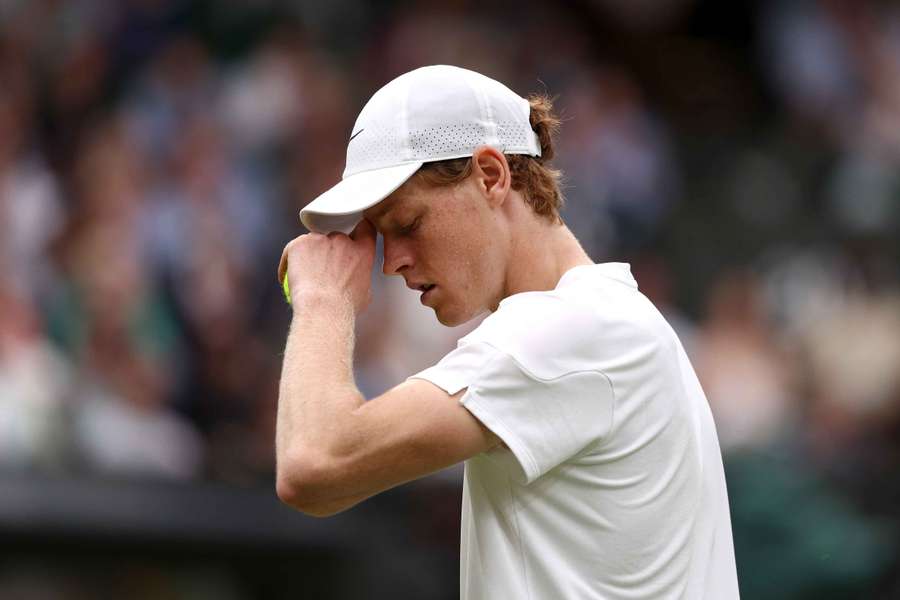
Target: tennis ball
x=287 y=289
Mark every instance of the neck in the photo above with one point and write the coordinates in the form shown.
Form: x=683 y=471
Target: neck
x=541 y=253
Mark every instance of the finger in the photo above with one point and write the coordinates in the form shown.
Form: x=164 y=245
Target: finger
x=364 y=231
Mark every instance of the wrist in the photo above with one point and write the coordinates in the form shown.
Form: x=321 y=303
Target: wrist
x=321 y=301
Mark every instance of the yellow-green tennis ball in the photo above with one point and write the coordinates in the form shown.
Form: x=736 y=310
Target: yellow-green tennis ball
x=287 y=289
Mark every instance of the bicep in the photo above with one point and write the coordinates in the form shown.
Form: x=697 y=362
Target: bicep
x=408 y=432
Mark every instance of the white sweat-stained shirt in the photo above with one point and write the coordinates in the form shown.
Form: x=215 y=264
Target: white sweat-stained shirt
x=610 y=485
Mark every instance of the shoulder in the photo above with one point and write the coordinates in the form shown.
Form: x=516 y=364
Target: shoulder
x=551 y=334
x=534 y=317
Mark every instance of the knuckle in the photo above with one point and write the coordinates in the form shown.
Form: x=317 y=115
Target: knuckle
x=303 y=240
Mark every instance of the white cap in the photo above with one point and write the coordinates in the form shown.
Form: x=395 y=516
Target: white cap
x=432 y=113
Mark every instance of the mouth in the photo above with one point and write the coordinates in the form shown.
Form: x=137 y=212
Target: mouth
x=426 y=290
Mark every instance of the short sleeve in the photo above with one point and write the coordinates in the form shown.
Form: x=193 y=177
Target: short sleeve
x=543 y=422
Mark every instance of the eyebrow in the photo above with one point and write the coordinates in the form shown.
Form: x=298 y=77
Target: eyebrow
x=379 y=213
x=379 y=221
x=387 y=215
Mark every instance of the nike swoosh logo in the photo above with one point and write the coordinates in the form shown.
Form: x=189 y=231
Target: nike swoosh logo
x=356 y=134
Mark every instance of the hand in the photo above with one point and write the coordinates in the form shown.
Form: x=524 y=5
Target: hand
x=333 y=264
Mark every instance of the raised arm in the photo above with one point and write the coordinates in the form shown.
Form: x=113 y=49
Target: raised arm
x=333 y=449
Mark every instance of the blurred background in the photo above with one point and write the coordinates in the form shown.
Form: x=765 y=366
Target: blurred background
x=743 y=156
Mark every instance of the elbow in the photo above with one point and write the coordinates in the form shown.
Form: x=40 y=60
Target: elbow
x=306 y=484
x=302 y=499
x=292 y=491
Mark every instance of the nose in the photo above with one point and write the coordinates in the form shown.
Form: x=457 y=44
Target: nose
x=397 y=256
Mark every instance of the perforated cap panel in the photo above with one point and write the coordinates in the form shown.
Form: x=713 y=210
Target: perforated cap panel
x=437 y=113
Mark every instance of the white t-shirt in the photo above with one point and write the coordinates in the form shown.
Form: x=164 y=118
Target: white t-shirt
x=611 y=483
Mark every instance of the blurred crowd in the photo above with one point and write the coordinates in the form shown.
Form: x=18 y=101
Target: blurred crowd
x=154 y=155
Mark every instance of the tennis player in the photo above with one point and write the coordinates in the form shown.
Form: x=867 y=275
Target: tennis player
x=592 y=465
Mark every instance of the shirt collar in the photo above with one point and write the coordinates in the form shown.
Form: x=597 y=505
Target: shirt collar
x=617 y=271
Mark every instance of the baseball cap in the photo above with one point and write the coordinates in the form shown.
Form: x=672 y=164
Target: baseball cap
x=432 y=113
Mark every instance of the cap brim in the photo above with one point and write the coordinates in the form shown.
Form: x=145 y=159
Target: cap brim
x=341 y=207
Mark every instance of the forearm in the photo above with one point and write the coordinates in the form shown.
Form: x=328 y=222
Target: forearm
x=317 y=394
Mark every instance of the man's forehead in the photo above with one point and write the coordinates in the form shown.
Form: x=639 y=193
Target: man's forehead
x=381 y=211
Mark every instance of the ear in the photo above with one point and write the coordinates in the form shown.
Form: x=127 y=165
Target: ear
x=490 y=171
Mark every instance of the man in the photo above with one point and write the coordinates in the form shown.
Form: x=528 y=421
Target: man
x=592 y=465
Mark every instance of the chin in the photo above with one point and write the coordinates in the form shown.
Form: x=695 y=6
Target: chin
x=452 y=318
x=445 y=319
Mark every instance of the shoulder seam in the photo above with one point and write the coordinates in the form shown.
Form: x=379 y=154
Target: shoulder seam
x=609 y=382
x=536 y=377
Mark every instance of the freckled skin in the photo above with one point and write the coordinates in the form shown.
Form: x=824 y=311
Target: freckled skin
x=477 y=241
x=458 y=245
